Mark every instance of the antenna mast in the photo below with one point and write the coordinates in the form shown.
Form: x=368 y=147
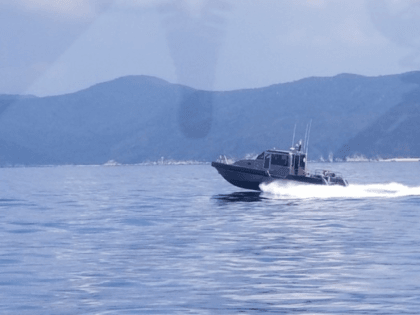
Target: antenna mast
x=306 y=135
x=293 y=139
x=307 y=144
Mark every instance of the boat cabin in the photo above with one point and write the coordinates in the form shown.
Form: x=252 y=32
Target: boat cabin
x=273 y=165
x=283 y=163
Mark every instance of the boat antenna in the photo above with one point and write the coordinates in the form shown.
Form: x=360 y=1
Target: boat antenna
x=293 y=139
x=307 y=144
x=306 y=135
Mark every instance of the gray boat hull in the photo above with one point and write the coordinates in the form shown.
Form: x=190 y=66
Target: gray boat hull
x=248 y=178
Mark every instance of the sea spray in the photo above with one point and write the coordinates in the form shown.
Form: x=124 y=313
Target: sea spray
x=279 y=190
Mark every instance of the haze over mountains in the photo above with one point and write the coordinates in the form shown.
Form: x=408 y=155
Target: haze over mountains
x=138 y=118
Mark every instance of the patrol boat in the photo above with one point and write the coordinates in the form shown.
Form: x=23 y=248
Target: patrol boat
x=275 y=165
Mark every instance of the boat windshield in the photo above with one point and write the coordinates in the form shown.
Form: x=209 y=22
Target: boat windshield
x=261 y=156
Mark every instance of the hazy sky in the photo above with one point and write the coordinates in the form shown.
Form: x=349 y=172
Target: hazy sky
x=52 y=47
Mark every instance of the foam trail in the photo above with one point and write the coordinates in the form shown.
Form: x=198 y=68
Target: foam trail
x=353 y=191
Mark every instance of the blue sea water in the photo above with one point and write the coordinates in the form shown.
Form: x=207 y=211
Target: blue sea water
x=180 y=240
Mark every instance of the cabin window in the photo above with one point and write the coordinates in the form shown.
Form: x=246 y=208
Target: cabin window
x=261 y=156
x=302 y=161
x=267 y=161
x=280 y=159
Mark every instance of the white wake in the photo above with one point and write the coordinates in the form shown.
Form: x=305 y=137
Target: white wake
x=353 y=191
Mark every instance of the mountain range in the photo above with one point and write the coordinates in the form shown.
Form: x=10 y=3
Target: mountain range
x=135 y=119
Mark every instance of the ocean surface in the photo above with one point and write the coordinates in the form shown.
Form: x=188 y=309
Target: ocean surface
x=179 y=239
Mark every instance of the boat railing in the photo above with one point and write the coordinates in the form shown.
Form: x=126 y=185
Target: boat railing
x=223 y=159
x=328 y=173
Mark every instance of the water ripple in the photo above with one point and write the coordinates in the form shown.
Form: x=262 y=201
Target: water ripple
x=179 y=240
